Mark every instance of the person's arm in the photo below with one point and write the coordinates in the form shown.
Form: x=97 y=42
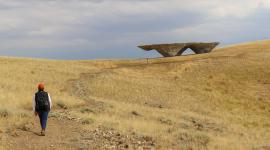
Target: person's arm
x=50 y=101
x=34 y=104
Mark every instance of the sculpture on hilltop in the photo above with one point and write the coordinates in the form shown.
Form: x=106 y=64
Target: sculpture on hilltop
x=177 y=49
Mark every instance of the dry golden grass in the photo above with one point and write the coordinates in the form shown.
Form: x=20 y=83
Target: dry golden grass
x=219 y=100
x=19 y=79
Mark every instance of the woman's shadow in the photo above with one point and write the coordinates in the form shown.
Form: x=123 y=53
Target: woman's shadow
x=35 y=132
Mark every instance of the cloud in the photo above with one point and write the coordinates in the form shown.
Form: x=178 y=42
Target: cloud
x=75 y=29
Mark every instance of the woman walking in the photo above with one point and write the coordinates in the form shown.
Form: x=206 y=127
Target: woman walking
x=42 y=105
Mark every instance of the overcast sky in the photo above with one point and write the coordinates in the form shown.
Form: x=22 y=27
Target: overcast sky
x=93 y=29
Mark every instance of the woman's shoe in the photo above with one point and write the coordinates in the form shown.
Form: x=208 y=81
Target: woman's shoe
x=42 y=133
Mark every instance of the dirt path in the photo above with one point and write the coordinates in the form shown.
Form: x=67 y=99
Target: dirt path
x=62 y=134
x=65 y=134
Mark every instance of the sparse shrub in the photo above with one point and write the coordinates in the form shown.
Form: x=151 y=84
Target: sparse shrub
x=164 y=120
x=23 y=114
x=54 y=114
x=202 y=139
x=86 y=110
x=194 y=141
x=87 y=121
x=4 y=113
x=135 y=113
x=24 y=127
x=61 y=104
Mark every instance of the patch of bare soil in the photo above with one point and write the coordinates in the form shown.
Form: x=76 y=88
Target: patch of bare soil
x=59 y=135
x=106 y=138
x=68 y=134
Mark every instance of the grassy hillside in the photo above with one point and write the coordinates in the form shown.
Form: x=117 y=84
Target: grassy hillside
x=219 y=100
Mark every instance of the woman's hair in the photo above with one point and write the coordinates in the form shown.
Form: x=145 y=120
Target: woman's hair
x=40 y=86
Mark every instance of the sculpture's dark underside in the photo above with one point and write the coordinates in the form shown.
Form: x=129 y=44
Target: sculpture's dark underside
x=176 y=49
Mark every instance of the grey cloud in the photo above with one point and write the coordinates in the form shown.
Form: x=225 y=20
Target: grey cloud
x=81 y=29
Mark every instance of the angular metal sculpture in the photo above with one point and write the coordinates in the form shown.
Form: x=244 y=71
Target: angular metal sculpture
x=176 y=49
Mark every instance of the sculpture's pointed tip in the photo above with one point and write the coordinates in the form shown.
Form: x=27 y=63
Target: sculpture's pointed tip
x=216 y=43
x=145 y=47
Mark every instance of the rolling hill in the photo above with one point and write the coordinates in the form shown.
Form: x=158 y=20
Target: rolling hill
x=219 y=100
